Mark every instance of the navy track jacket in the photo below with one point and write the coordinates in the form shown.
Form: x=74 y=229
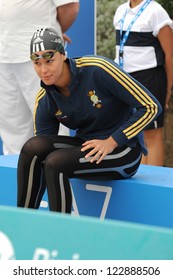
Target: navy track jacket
x=104 y=101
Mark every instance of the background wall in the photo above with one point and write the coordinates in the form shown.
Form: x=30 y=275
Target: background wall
x=82 y=32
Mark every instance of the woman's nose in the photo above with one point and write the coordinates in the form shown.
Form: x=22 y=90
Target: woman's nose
x=44 y=68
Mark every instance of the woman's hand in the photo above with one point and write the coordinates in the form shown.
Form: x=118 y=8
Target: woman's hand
x=99 y=148
x=168 y=97
x=66 y=38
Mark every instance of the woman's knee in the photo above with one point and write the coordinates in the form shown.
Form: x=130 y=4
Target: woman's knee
x=37 y=145
x=58 y=160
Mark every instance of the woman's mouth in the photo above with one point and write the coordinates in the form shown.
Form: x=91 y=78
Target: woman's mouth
x=46 y=77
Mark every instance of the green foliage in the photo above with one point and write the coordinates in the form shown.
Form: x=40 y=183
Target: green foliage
x=105 y=29
x=168 y=6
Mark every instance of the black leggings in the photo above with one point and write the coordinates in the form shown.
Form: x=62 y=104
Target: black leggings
x=49 y=161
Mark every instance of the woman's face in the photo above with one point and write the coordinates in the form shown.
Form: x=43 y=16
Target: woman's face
x=48 y=68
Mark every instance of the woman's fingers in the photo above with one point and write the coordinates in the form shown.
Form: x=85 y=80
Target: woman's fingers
x=98 y=149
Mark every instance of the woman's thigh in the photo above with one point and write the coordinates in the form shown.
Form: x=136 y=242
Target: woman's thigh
x=121 y=163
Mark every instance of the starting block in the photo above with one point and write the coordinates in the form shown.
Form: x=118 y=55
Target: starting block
x=146 y=198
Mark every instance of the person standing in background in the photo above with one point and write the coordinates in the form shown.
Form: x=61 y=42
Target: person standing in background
x=18 y=82
x=144 y=48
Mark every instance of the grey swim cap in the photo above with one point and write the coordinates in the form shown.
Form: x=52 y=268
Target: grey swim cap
x=46 y=39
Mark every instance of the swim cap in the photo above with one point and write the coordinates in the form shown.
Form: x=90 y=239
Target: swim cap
x=46 y=39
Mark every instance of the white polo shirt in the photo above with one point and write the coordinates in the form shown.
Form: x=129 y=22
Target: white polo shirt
x=142 y=49
x=19 y=20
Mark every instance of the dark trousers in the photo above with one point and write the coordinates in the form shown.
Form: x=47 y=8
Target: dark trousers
x=49 y=161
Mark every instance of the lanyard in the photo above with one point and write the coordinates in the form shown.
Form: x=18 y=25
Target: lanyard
x=124 y=38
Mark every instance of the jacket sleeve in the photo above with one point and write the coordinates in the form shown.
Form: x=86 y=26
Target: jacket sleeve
x=45 y=122
x=144 y=105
